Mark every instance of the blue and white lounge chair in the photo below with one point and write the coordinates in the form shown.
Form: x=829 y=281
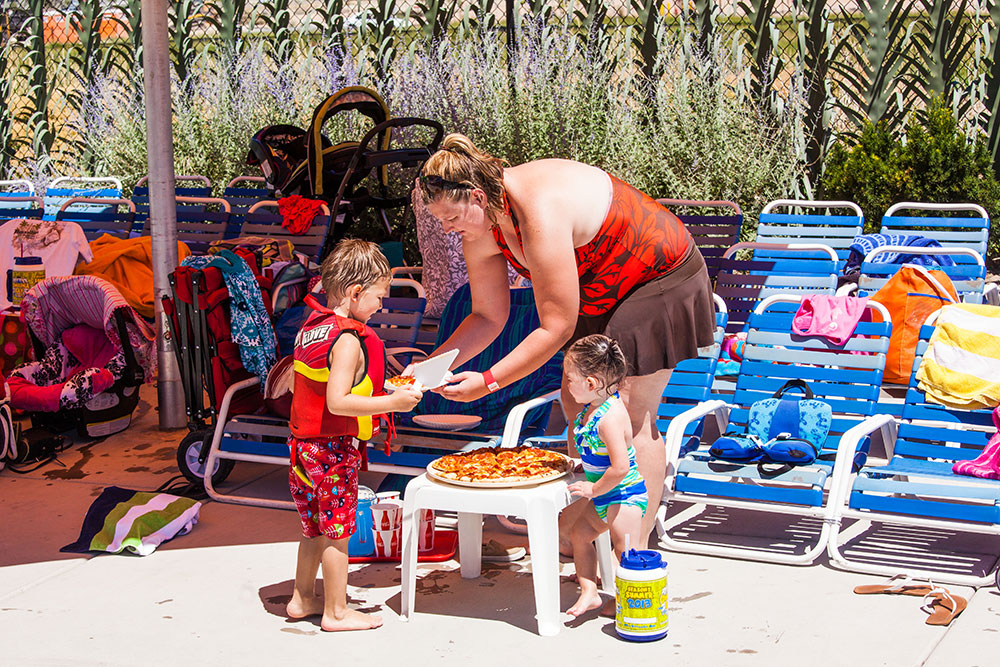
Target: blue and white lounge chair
x=65 y=187
x=915 y=500
x=773 y=355
x=836 y=231
x=776 y=268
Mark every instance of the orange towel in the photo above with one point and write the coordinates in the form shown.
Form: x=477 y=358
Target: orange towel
x=128 y=265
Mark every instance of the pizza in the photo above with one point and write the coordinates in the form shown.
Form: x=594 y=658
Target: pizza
x=501 y=465
x=400 y=381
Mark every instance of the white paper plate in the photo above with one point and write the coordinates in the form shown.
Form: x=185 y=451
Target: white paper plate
x=448 y=422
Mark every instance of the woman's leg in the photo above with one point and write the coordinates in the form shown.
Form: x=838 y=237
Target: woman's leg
x=641 y=395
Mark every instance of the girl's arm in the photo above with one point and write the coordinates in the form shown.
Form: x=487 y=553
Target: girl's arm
x=615 y=430
x=346 y=360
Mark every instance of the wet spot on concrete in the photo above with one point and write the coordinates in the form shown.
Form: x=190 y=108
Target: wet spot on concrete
x=165 y=601
x=990 y=630
x=699 y=617
x=296 y=631
x=430 y=583
x=748 y=651
x=139 y=448
x=165 y=453
x=168 y=617
x=76 y=470
x=137 y=469
x=696 y=596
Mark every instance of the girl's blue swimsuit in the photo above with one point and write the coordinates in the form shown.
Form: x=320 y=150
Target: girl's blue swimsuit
x=594 y=453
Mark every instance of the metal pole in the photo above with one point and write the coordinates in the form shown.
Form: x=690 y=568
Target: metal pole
x=162 y=214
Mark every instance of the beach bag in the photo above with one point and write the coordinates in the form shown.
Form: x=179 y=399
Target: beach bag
x=785 y=429
x=278 y=387
x=910 y=296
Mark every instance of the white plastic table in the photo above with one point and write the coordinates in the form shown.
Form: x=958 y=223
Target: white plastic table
x=538 y=505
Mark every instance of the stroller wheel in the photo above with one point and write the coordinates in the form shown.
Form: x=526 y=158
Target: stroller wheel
x=187 y=459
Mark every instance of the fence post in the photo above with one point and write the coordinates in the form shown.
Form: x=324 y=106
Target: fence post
x=511 y=40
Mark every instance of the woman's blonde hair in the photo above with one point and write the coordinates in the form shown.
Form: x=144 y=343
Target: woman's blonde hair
x=353 y=262
x=457 y=168
x=600 y=357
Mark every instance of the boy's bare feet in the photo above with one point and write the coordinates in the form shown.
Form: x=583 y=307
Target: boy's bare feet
x=351 y=620
x=299 y=608
x=586 y=603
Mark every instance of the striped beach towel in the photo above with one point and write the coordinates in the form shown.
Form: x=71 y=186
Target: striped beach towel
x=961 y=368
x=121 y=519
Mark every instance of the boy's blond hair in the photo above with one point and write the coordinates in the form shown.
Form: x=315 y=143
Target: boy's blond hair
x=353 y=262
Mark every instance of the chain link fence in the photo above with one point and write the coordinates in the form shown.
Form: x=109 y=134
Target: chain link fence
x=51 y=51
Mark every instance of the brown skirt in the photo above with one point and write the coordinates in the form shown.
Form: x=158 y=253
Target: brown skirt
x=660 y=322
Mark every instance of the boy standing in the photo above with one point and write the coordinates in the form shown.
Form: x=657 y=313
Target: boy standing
x=338 y=396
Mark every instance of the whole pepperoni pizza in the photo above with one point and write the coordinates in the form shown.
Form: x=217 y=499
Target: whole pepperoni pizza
x=500 y=466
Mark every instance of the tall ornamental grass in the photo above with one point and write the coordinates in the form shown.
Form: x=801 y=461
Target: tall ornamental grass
x=691 y=131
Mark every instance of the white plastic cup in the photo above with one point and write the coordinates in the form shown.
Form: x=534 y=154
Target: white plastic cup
x=386 y=516
x=425 y=538
x=387 y=496
x=388 y=542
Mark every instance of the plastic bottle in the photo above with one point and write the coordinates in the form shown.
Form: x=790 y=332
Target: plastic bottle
x=26 y=273
x=641 y=580
x=362 y=542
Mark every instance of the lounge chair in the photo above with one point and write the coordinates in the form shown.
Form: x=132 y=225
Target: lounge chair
x=782 y=268
x=712 y=233
x=915 y=499
x=773 y=355
x=98 y=216
x=834 y=230
x=65 y=187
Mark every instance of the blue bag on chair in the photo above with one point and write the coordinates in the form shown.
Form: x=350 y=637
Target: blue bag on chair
x=781 y=429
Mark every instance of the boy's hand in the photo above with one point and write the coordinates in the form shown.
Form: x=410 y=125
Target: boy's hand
x=405 y=399
x=584 y=489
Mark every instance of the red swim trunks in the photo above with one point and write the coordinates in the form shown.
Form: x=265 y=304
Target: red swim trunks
x=323 y=480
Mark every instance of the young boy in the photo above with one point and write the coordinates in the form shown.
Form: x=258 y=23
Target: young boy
x=338 y=396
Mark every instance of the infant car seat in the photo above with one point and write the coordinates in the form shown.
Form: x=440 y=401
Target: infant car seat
x=94 y=351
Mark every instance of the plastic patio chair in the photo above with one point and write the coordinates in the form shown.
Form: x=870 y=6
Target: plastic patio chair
x=788 y=268
x=267 y=223
x=712 y=233
x=21 y=206
x=834 y=230
x=60 y=189
x=773 y=355
x=916 y=490
x=140 y=193
x=98 y=216
x=197 y=224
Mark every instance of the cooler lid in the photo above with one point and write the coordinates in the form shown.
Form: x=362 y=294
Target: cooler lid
x=642 y=559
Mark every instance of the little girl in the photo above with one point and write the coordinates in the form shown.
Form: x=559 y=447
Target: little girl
x=602 y=432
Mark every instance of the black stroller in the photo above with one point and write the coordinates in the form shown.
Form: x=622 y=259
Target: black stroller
x=350 y=176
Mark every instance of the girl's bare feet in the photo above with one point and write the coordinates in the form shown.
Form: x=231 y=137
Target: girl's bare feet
x=586 y=603
x=351 y=620
x=609 y=608
x=298 y=607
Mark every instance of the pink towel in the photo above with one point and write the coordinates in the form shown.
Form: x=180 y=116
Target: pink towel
x=987 y=464
x=833 y=317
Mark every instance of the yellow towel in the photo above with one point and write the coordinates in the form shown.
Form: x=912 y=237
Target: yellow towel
x=961 y=368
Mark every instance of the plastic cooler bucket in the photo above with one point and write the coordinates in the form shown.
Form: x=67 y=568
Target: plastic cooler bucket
x=362 y=542
x=641 y=580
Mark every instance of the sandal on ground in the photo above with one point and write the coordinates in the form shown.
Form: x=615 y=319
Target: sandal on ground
x=901 y=584
x=495 y=552
x=943 y=606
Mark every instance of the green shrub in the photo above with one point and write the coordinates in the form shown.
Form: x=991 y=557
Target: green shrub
x=936 y=163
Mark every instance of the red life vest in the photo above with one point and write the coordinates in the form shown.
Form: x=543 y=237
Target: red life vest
x=310 y=417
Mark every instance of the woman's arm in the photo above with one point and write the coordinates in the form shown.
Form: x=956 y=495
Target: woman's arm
x=549 y=255
x=490 y=301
